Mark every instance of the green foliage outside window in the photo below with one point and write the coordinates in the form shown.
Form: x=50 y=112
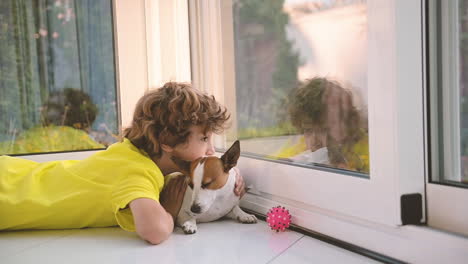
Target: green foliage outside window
x=266 y=67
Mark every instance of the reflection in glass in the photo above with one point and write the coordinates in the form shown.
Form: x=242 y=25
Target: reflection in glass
x=463 y=90
x=57 y=76
x=332 y=127
x=301 y=81
x=448 y=92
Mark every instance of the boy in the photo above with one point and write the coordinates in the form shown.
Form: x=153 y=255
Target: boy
x=121 y=185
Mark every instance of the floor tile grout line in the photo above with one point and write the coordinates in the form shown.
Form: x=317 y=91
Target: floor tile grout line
x=286 y=249
x=39 y=244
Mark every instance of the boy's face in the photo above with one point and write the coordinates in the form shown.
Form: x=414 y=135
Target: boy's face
x=199 y=144
x=315 y=139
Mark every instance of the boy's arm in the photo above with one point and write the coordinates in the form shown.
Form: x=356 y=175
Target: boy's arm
x=152 y=222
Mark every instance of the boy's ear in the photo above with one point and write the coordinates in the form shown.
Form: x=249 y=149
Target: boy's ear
x=231 y=156
x=166 y=148
x=183 y=165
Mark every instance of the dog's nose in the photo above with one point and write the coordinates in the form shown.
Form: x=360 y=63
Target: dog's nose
x=195 y=208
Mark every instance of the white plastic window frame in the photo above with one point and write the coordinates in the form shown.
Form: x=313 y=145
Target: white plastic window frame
x=446 y=204
x=396 y=137
x=151 y=47
x=364 y=212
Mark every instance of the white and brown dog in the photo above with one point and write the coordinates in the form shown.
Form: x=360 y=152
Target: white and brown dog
x=210 y=194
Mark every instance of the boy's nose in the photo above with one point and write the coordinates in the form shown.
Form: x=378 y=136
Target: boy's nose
x=210 y=151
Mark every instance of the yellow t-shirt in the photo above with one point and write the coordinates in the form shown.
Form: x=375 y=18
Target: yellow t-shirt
x=94 y=192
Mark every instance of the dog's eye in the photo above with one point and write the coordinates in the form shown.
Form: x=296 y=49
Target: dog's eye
x=205 y=185
x=190 y=185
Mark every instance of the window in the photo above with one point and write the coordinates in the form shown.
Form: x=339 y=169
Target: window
x=394 y=107
x=448 y=101
x=301 y=82
x=136 y=28
x=57 y=76
x=449 y=94
x=365 y=211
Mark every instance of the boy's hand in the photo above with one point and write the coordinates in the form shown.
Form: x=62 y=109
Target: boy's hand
x=172 y=195
x=239 y=187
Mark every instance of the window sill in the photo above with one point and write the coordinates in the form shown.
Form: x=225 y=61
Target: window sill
x=414 y=244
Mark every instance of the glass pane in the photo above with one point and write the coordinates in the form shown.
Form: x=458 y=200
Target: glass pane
x=57 y=76
x=301 y=81
x=448 y=92
x=463 y=89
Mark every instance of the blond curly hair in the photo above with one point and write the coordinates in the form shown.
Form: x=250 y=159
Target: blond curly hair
x=165 y=116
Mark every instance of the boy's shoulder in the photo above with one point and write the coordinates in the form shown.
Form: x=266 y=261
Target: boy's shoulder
x=124 y=145
x=123 y=154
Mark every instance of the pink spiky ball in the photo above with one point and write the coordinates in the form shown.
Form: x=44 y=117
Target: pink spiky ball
x=278 y=218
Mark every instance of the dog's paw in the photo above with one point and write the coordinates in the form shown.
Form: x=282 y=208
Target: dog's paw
x=189 y=228
x=247 y=219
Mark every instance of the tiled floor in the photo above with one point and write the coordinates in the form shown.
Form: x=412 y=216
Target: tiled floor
x=217 y=242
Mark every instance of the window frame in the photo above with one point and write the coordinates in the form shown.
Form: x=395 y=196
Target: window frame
x=398 y=140
x=440 y=194
x=396 y=168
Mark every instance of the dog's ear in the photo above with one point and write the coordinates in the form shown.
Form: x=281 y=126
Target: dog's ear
x=183 y=165
x=231 y=156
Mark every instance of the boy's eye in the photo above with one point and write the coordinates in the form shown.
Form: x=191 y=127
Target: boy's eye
x=205 y=139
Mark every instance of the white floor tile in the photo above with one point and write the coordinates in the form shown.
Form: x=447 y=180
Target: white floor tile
x=216 y=242
x=310 y=250
x=12 y=243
